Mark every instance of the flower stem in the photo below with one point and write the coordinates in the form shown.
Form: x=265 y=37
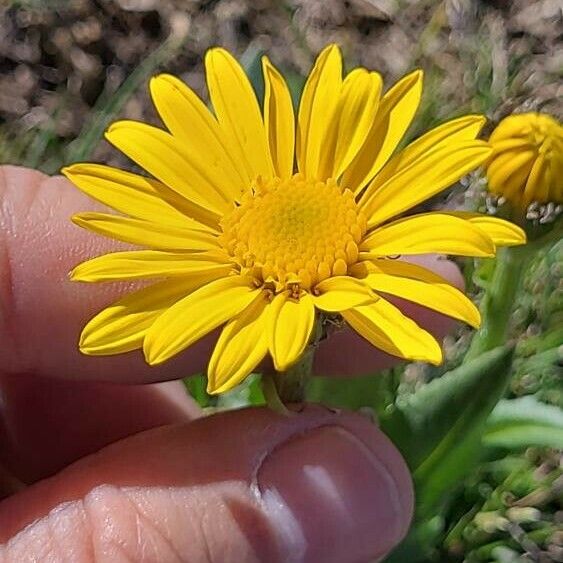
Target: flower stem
x=291 y=383
x=499 y=300
x=282 y=388
x=271 y=395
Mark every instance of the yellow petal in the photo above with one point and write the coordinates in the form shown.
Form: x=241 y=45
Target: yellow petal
x=360 y=101
x=195 y=176
x=507 y=172
x=138 y=264
x=547 y=184
x=189 y=119
x=428 y=233
x=318 y=104
x=452 y=132
x=131 y=194
x=351 y=122
x=340 y=293
x=503 y=165
x=279 y=120
x=537 y=185
x=422 y=286
x=396 y=111
x=424 y=178
x=238 y=113
x=292 y=324
x=122 y=326
x=196 y=315
x=242 y=345
x=514 y=182
x=144 y=233
x=512 y=126
x=502 y=232
x=510 y=144
x=384 y=326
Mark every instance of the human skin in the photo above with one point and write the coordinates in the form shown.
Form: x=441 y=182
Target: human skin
x=101 y=461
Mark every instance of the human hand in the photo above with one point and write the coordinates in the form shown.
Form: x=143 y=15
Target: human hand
x=169 y=484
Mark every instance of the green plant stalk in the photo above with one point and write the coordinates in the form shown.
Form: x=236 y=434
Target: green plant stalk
x=456 y=533
x=538 y=536
x=286 y=387
x=499 y=299
x=289 y=386
x=291 y=383
x=271 y=394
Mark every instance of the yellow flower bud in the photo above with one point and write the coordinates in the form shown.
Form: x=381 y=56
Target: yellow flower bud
x=527 y=160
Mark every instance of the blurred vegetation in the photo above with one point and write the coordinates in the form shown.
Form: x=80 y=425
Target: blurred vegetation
x=483 y=439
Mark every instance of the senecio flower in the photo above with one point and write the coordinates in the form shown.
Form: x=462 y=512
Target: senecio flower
x=527 y=160
x=261 y=223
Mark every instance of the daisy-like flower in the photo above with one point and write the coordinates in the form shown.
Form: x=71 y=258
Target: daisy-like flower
x=527 y=160
x=260 y=223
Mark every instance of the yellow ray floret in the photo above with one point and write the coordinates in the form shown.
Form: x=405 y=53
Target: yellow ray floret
x=258 y=222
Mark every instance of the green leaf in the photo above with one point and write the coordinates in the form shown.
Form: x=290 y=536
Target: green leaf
x=251 y=61
x=439 y=428
x=248 y=393
x=524 y=422
x=411 y=548
x=196 y=386
x=375 y=392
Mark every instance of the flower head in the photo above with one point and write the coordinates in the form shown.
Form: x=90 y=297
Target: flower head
x=260 y=223
x=527 y=160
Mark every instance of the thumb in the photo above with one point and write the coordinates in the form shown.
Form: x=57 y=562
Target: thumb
x=249 y=485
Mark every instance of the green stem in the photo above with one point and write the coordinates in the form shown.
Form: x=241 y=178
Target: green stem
x=291 y=383
x=271 y=394
x=282 y=388
x=498 y=302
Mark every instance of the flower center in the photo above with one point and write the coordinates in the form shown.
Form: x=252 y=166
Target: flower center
x=294 y=231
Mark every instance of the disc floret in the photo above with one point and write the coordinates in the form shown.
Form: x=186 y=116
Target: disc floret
x=294 y=231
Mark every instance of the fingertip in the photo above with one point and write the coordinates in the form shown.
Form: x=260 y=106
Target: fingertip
x=442 y=266
x=345 y=489
x=317 y=486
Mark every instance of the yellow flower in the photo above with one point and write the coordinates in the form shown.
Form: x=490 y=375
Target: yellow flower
x=258 y=222
x=527 y=160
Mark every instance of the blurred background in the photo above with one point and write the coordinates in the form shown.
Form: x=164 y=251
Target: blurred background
x=69 y=68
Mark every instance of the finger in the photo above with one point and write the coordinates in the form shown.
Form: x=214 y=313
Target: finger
x=42 y=313
x=316 y=486
x=347 y=353
x=45 y=424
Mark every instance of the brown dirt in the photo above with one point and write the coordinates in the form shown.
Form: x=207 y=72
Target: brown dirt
x=57 y=57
